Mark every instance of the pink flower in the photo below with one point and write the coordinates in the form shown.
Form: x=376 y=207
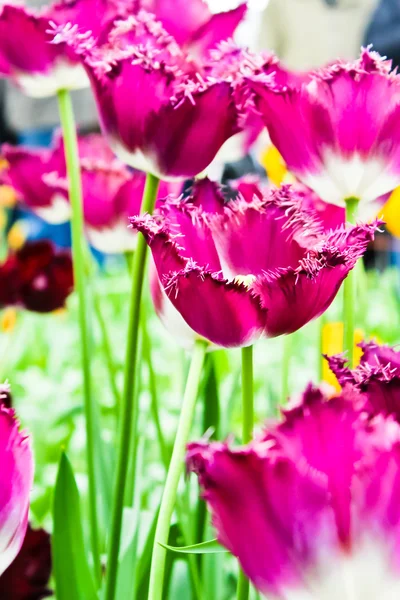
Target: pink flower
x=31 y=173
x=337 y=132
x=240 y=269
x=36 y=277
x=377 y=377
x=310 y=508
x=153 y=101
x=111 y=192
x=192 y=24
x=27 y=54
x=16 y=482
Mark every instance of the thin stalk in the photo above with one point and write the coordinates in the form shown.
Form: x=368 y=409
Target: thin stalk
x=247 y=395
x=163 y=447
x=111 y=367
x=243 y=587
x=349 y=291
x=78 y=254
x=287 y=352
x=154 y=406
x=129 y=399
x=175 y=471
x=321 y=326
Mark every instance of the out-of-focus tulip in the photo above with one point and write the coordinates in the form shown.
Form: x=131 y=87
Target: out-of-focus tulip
x=310 y=508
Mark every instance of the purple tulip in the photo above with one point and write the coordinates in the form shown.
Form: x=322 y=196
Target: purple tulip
x=338 y=131
x=28 y=57
x=377 y=377
x=16 y=482
x=193 y=25
x=111 y=191
x=241 y=269
x=310 y=508
x=35 y=174
x=153 y=101
x=27 y=54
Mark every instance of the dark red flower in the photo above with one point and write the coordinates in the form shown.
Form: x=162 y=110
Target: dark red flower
x=36 y=277
x=28 y=576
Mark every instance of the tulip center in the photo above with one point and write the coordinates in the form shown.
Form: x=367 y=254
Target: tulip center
x=246 y=280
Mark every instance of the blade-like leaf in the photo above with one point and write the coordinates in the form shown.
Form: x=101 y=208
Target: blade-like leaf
x=210 y=547
x=71 y=569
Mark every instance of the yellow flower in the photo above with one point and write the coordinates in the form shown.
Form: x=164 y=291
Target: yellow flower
x=391 y=213
x=8 y=320
x=3 y=219
x=275 y=166
x=8 y=197
x=16 y=236
x=332 y=343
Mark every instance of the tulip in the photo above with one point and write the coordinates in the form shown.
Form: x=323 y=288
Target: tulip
x=240 y=269
x=153 y=101
x=27 y=55
x=27 y=577
x=310 y=507
x=36 y=277
x=192 y=24
x=16 y=483
x=337 y=131
x=377 y=377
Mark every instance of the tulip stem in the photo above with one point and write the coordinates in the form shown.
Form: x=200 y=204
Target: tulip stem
x=129 y=398
x=78 y=255
x=349 y=292
x=243 y=587
x=175 y=470
x=247 y=395
x=287 y=353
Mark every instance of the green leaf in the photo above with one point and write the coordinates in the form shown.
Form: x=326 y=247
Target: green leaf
x=210 y=547
x=71 y=569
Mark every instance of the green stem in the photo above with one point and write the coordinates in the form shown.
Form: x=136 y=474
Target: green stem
x=78 y=254
x=175 y=471
x=153 y=393
x=129 y=399
x=321 y=326
x=349 y=292
x=247 y=395
x=243 y=587
x=112 y=370
x=287 y=352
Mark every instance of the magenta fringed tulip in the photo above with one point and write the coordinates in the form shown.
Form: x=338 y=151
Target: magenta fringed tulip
x=377 y=377
x=339 y=131
x=16 y=480
x=36 y=277
x=311 y=507
x=152 y=101
x=192 y=24
x=241 y=269
x=30 y=59
x=111 y=192
x=34 y=175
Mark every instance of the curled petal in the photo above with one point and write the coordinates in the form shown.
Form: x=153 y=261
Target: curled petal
x=16 y=482
x=271 y=246
x=314 y=284
x=226 y=313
